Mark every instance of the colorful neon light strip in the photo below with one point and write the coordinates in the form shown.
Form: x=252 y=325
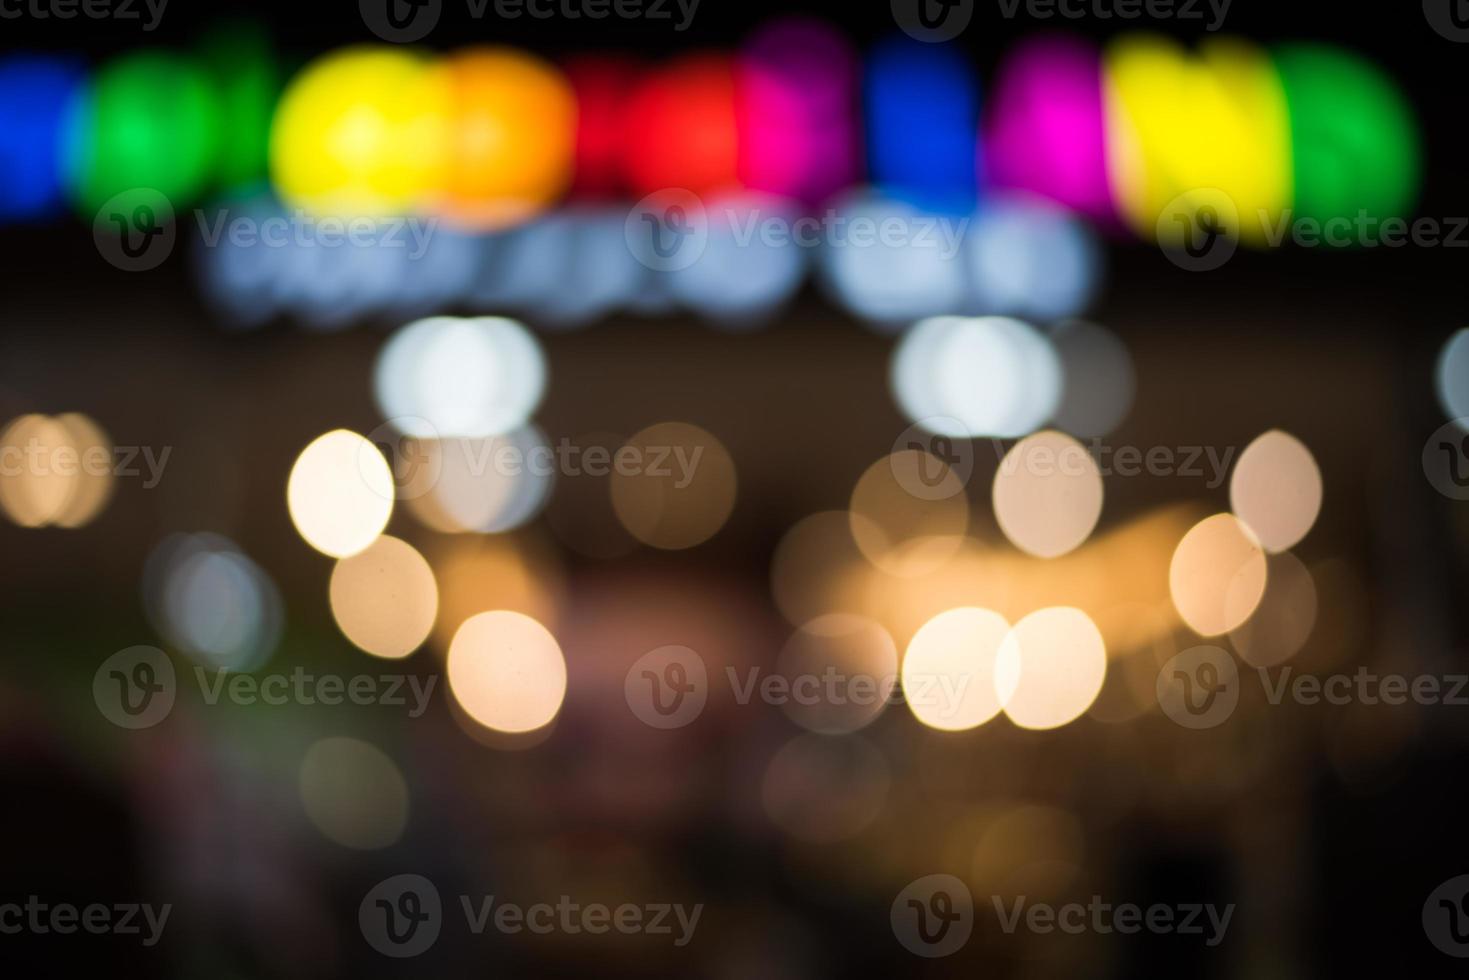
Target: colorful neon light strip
x=488 y=137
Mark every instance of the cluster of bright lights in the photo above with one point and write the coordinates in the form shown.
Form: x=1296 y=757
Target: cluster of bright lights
x=467 y=460
x=1221 y=571
x=182 y=124
x=490 y=139
x=459 y=394
x=894 y=561
x=487 y=137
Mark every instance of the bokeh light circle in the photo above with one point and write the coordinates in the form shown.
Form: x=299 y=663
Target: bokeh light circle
x=1217 y=575
x=949 y=668
x=340 y=493
x=1047 y=494
x=353 y=793
x=673 y=485
x=507 y=672
x=384 y=598
x=1275 y=489
x=1050 y=668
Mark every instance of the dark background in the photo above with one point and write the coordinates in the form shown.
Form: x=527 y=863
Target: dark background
x=1336 y=346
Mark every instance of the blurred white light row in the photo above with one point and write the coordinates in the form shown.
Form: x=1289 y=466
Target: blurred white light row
x=971 y=377
x=882 y=260
x=1016 y=257
x=448 y=377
